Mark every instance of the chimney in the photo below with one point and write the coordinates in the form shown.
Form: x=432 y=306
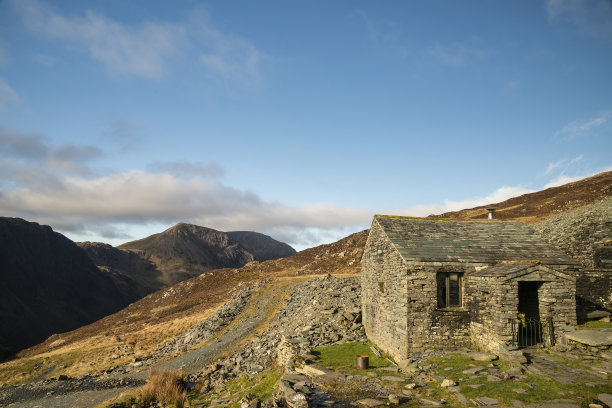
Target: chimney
x=491 y=211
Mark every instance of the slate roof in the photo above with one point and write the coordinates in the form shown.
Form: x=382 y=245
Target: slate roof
x=501 y=270
x=468 y=241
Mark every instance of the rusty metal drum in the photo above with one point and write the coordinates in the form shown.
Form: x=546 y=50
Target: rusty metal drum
x=362 y=362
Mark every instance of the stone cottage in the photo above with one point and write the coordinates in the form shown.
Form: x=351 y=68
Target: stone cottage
x=449 y=284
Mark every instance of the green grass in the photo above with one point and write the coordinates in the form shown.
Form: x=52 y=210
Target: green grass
x=596 y=325
x=452 y=365
x=539 y=388
x=263 y=386
x=343 y=357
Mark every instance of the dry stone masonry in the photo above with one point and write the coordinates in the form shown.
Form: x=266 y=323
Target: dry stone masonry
x=451 y=284
x=586 y=234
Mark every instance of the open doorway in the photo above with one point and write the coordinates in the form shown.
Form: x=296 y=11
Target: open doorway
x=529 y=327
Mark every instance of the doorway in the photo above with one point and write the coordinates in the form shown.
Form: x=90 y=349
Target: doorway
x=528 y=327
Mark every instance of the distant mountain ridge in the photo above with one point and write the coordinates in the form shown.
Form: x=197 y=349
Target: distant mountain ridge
x=49 y=284
x=186 y=250
x=263 y=247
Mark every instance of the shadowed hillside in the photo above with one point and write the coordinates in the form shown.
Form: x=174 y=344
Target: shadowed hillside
x=49 y=285
x=134 y=275
x=167 y=312
x=261 y=246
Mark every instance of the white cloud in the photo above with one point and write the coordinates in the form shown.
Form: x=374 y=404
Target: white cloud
x=138 y=197
x=554 y=165
x=188 y=169
x=380 y=33
x=233 y=58
x=592 y=17
x=456 y=54
x=561 y=180
x=7 y=95
x=562 y=163
x=53 y=184
x=564 y=179
x=600 y=122
x=576 y=159
x=30 y=159
x=147 y=49
x=499 y=195
x=139 y=50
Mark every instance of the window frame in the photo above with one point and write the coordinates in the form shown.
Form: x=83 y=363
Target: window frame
x=447 y=290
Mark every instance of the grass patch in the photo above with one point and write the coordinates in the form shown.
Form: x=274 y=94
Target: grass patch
x=343 y=357
x=262 y=386
x=537 y=388
x=596 y=325
x=452 y=365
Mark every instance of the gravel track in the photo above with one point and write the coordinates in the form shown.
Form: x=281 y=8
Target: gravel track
x=83 y=394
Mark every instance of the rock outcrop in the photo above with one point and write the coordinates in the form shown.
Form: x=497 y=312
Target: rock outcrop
x=585 y=234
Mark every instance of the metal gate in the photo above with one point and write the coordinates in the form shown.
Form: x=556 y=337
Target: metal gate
x=532 y=332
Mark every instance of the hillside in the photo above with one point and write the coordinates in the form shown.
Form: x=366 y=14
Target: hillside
x=166 y=323
x=49 y=284
x=135 y=276
x=585 y=233
x=137 y=330
x=185 y=251
x=535 y=207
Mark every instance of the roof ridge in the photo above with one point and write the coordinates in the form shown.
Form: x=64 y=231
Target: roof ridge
x=408 y=217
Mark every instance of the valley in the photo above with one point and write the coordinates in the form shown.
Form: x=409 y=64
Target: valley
x=281 y=321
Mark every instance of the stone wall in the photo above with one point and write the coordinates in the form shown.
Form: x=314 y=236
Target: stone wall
x=492 y=304
x=428 y=325
x=593 y=291
x=399 y=301
x=494 y=301
x=384 y=294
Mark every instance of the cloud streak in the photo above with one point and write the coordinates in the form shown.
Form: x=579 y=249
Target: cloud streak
x=456 y=54
x=139 y=197
x=122 y=49
x=7 y=95
x=592 y=17
x=149 y=48
x=593 y=126
x=29 y=159
x=499 y=195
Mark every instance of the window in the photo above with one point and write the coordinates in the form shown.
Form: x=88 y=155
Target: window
x=449 y=289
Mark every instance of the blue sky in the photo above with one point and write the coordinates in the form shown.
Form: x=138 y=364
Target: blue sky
x=297 y=119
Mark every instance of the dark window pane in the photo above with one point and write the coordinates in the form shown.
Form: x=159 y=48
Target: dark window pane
x=454 y=290
x=441 y=283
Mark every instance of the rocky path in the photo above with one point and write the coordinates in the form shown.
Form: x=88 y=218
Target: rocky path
x=89 y=392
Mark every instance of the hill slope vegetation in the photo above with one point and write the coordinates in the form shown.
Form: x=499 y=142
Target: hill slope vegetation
x=535 y=207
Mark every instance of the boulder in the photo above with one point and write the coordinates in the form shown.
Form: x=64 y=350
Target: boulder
x=605 y=399
x=447 y=382
x=591 y=337
x=477 y=356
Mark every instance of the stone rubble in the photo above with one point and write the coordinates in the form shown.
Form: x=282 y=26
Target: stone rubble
x=322 y=311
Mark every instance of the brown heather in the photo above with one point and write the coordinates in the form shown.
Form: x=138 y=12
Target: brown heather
x=166 y=387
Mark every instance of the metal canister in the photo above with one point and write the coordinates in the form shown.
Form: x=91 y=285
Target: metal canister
x=362 y=362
